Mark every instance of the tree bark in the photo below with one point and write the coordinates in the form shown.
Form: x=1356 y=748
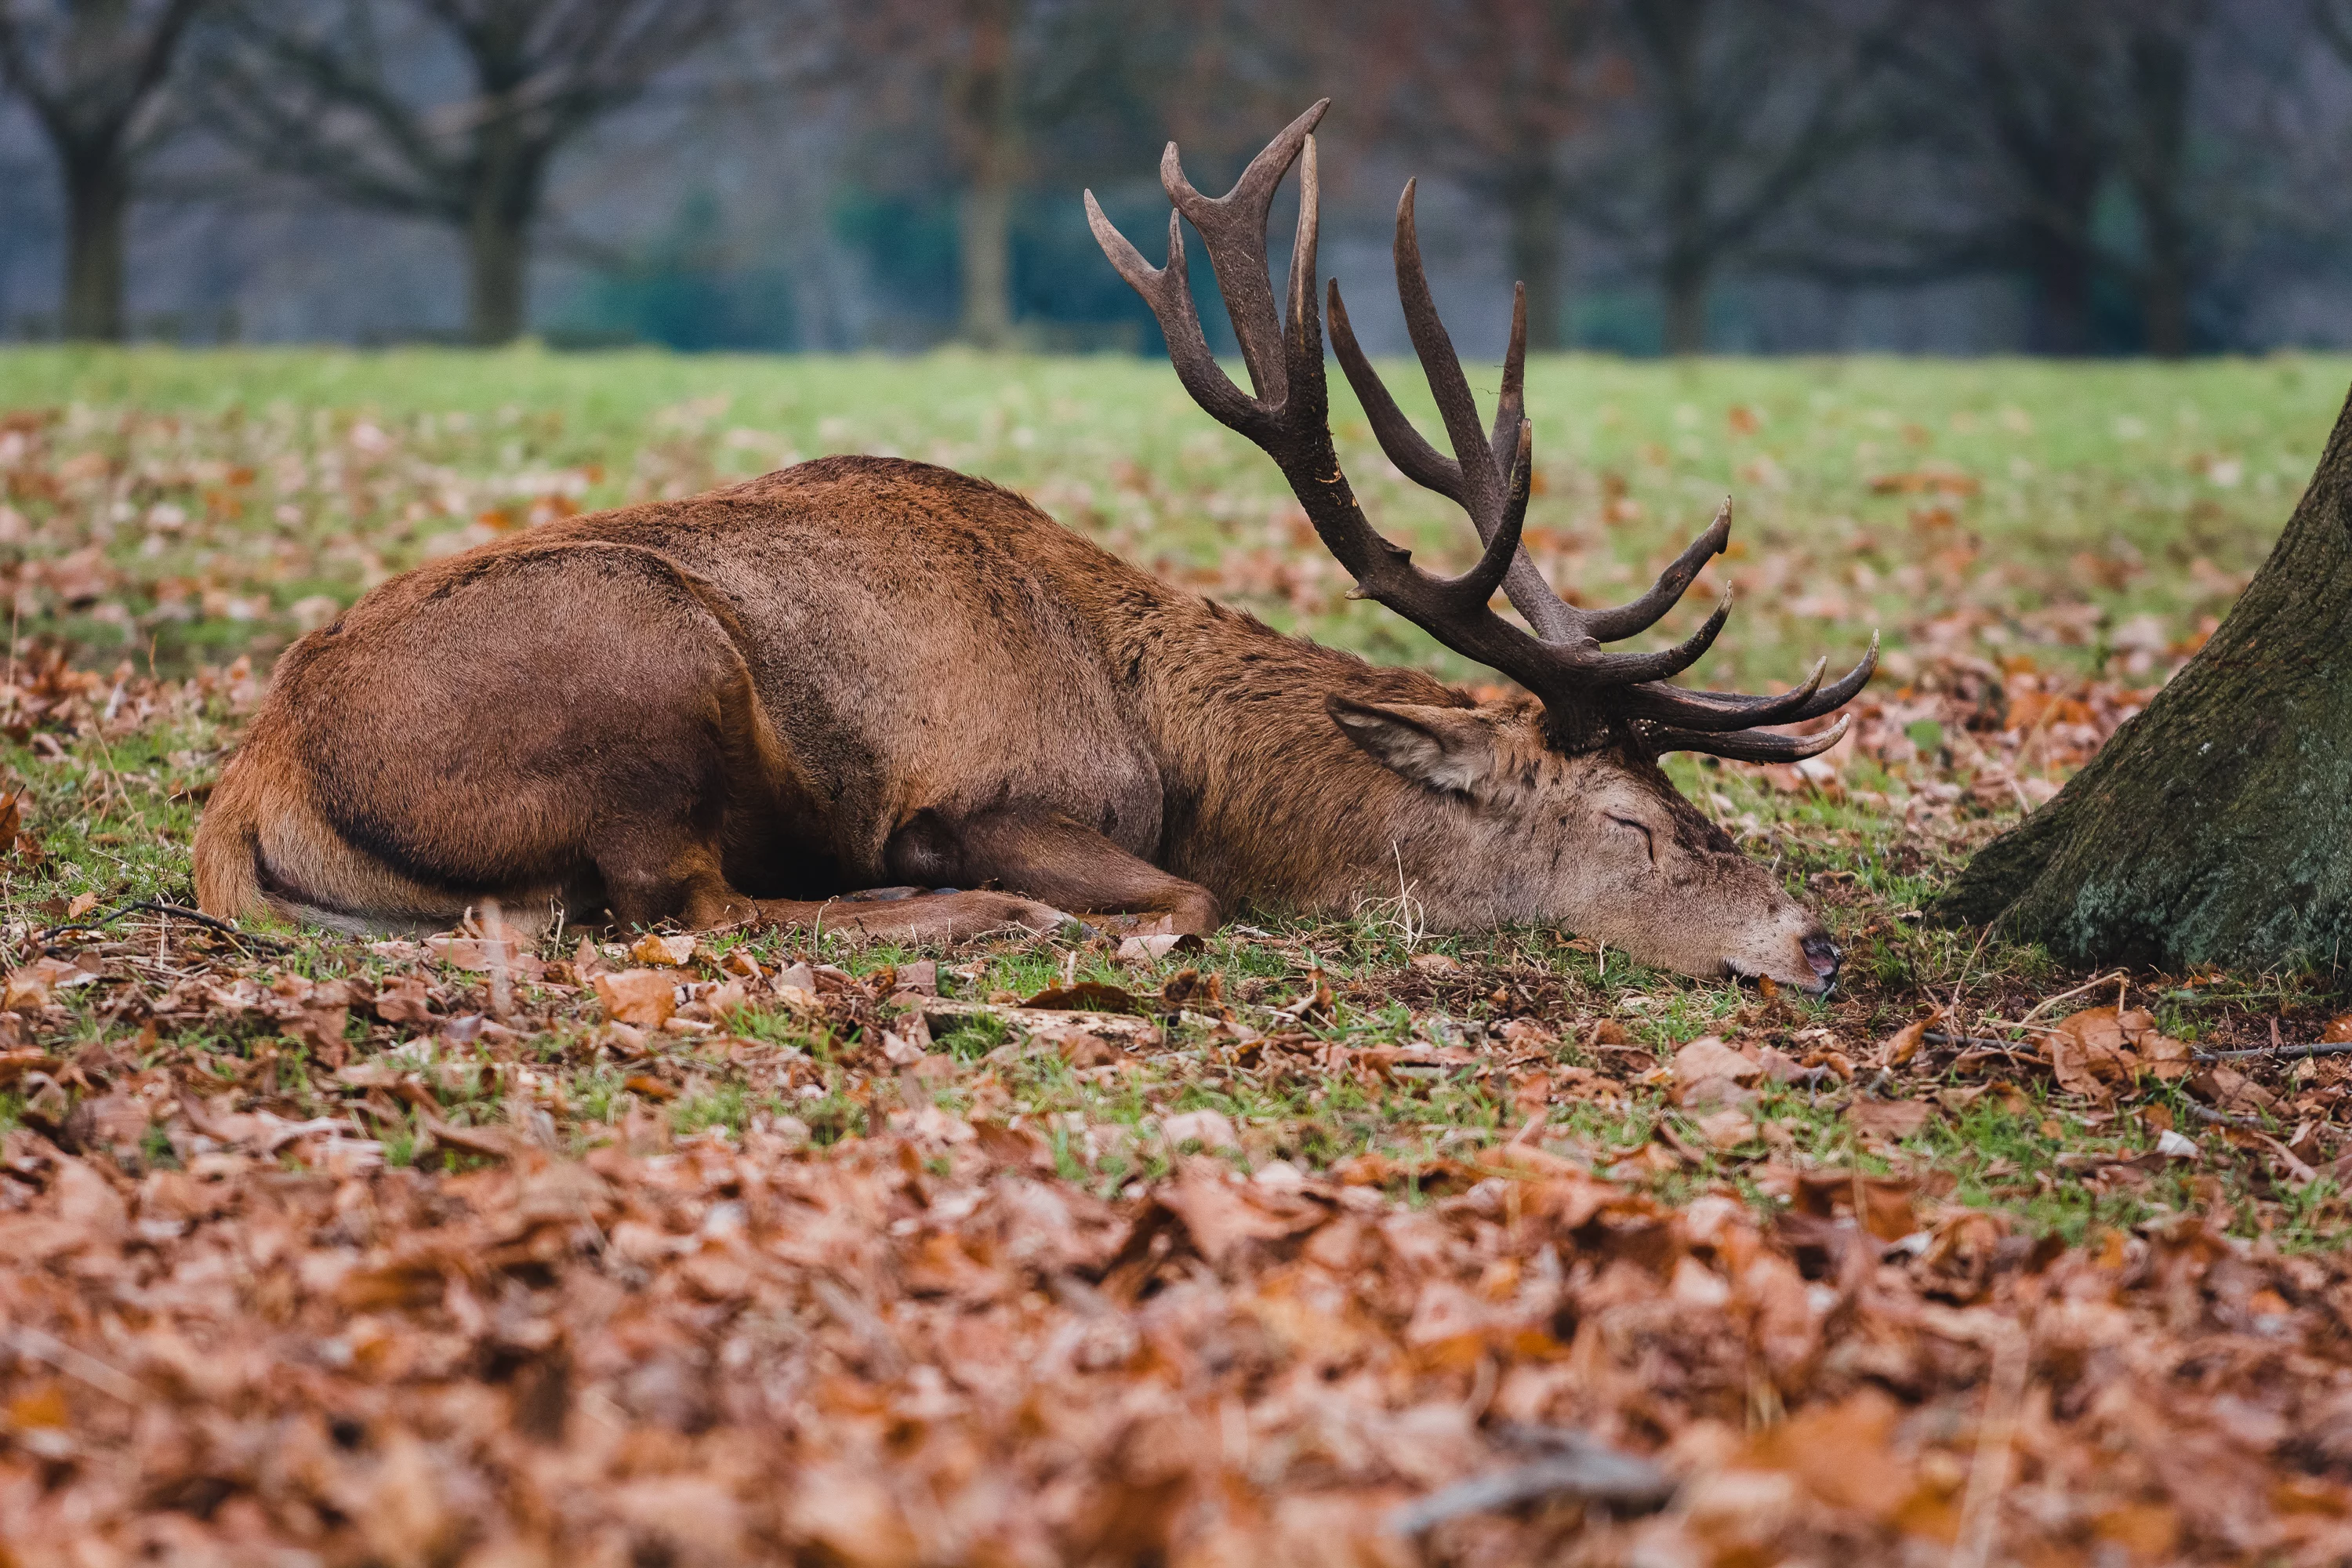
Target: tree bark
x=98 y=198
x=2216 y=827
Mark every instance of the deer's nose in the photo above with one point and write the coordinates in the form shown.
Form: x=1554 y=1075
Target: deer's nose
x=1822 y=956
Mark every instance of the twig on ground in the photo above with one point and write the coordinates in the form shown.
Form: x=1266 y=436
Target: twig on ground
x=1580 y=1468
x=2277 y=1053
x=1939 y=1038
x=2207 y=1114
x=177 y=911
x=1961 y=986
x=2049 y=1002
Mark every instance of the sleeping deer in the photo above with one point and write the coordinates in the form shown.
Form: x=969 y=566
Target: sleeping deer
x=751 y=705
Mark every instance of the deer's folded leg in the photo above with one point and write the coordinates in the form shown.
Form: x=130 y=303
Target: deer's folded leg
x=921 y=917
x=1047 y=856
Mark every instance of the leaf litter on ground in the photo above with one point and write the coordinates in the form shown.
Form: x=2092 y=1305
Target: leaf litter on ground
x=1321 y=1242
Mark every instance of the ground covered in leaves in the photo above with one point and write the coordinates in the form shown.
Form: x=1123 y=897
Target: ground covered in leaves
x=1334 y=1243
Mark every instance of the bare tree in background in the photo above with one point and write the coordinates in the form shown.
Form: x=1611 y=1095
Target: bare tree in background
x=1742 y=105
x=984 y=137
x=964 y=70
x=1496 y=91
x=2159 y=65
x=93 y=72
x=995 y=98
x=2042 y=112
x=313 y=92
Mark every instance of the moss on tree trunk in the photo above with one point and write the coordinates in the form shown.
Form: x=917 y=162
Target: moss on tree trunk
x=2216 y=827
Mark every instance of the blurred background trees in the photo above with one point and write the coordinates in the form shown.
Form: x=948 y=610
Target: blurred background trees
x=92 y=73
x=445 y=110
x=2104 y=176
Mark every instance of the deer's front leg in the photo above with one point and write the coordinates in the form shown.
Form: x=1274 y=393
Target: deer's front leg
x=1048 y=857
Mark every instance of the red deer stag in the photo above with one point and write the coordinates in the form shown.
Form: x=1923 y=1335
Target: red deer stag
x=749 y=705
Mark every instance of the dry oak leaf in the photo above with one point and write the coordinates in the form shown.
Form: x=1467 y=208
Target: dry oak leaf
x=1904 y=1043
x=1706 y=1071
x=2230 y=1089
x=1889 y=1118
x=674 y=951
x=406 y=1000
x=2100 y=1045
x=2092 y=1050
x=1220 y=1213
x=1844 y=1454
x=1729 y=1128
x=1213 y=1130
x=31 y=988
x=645 y=997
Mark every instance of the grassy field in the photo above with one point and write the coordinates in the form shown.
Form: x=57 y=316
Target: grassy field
x=2074 y=525
x=2001 y=504
x=2040 y=545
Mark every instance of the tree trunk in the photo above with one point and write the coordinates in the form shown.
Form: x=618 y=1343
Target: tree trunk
x=1686 y=279
x=98 y=197
x=2060 y=319
x=982 y=95
x=1672 y=31
x=984 y=259
x=2164 y=304
x=498 y=257
x=2162 y=61
x=1535 y=246
x=506 y=182
x=2215 y=828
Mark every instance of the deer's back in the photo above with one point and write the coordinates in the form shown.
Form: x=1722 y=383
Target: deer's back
x=920 y=637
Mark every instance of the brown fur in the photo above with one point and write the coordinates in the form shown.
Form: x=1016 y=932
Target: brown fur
x=862 y=671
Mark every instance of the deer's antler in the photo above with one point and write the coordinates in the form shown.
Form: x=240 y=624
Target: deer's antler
x=1592 y=696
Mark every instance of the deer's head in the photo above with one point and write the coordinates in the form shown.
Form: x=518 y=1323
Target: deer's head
x=1560 y=799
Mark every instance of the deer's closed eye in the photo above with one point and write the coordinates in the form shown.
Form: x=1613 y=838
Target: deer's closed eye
x=1649 y=846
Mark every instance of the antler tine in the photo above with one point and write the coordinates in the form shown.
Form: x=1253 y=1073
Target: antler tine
x=1169 y=292
x=1303 y=334
x=1750 y=746
x=1481 y=474
x=1723 y=711
x=1624 y=620
x=1462 y=601
x=1419 y=462
x=1712 y=712
x=1846 y=688
x=1551 y=616
x=1579 y=667
x=1233 y=227
x=1502 y=553
x=1511 y=408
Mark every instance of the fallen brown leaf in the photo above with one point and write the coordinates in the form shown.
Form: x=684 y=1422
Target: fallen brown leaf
x=645 y=997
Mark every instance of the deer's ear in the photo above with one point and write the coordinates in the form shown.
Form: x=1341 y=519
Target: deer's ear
x=1447 y=749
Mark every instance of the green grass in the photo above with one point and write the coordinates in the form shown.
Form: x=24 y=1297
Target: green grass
x=2085 y=514
x=2076 y=496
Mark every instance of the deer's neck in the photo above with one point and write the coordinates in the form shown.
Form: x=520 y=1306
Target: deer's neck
x=1265 y=796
